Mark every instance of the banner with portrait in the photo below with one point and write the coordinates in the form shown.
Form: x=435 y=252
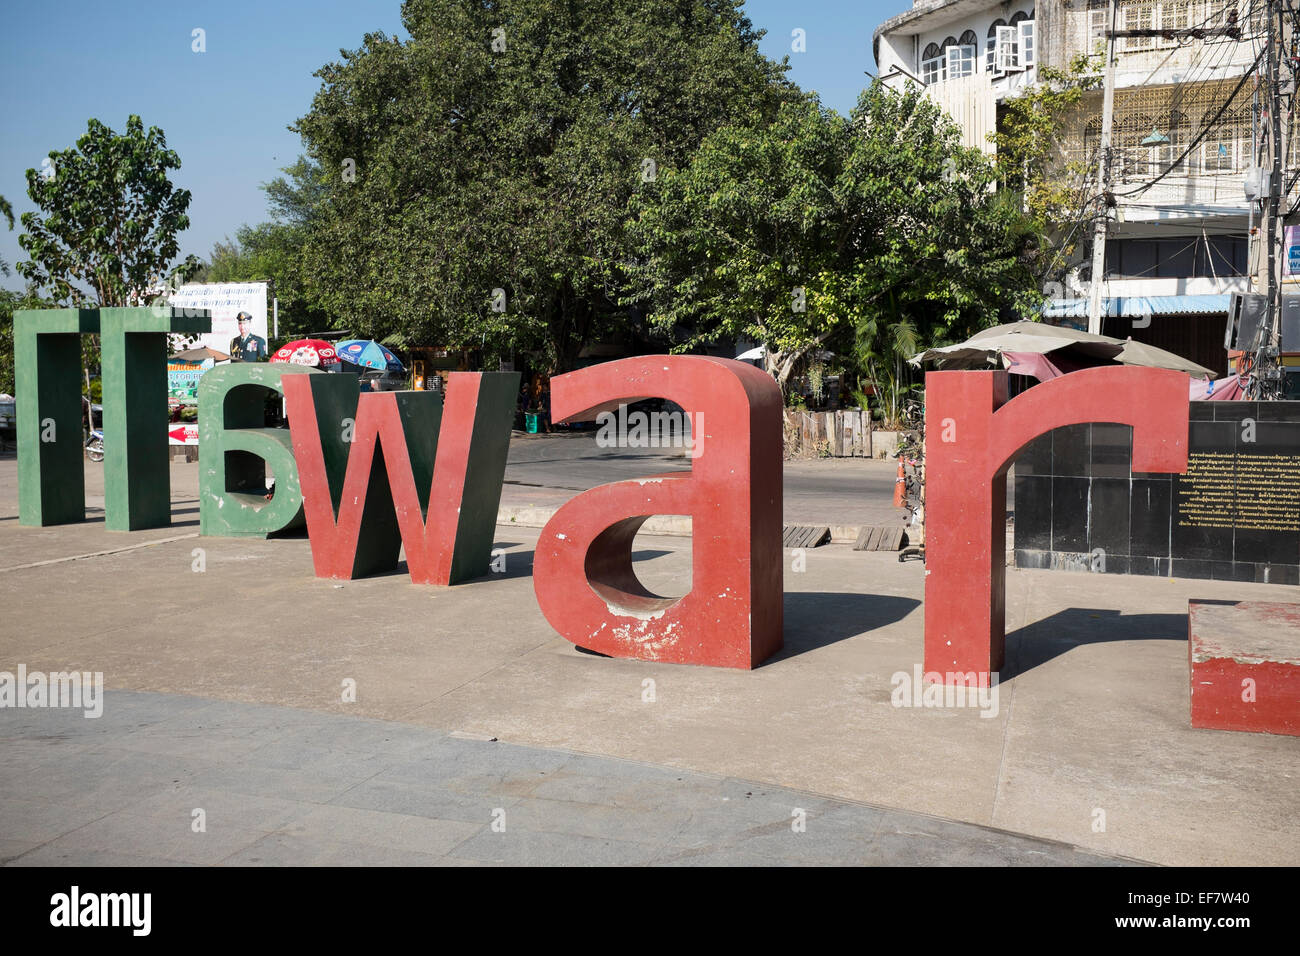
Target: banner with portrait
x=225 y=300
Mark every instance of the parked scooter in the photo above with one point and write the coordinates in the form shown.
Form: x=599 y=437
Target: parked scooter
x=95 y=443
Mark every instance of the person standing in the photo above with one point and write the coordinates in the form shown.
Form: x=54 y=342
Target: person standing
x=247 y=347
x=544 y=402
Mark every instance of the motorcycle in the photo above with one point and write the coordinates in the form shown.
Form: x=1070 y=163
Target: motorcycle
x=95 y=442
x=911 y=451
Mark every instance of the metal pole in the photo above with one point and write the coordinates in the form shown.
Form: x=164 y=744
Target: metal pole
x=1265 y=357
x=275 y=313
x=1103 y=178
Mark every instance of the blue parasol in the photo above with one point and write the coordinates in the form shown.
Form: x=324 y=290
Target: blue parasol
x=369 y=354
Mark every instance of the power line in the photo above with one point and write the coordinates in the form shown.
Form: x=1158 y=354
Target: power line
x=1196 y=141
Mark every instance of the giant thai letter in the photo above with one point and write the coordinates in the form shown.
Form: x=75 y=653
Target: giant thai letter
x=434 y=489
x=235 y=449
x=972 y=434
x=583 y=573
x=47 y=379
x=137 y=474
x=47 y=353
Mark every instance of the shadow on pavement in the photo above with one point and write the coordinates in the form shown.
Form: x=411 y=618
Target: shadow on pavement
x=519 y=564
x=816 y=619
x=1051 y=637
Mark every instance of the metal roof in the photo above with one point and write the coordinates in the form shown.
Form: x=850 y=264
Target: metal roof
x=1135 y=306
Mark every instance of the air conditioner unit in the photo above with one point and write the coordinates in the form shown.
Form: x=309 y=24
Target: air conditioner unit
x=1290 y=324
x=1245 y=313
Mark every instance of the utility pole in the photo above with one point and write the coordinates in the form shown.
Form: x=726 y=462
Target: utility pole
x=1265 y=383
x=1103 y=177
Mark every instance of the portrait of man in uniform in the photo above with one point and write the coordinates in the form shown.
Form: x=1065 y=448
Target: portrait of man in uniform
x=247 y=347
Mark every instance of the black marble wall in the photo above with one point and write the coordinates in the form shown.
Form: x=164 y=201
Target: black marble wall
x=1078 y=504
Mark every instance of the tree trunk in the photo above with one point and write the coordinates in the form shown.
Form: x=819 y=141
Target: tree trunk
x=781 y=364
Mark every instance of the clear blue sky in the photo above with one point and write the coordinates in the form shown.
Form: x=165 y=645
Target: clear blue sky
x=226 y=111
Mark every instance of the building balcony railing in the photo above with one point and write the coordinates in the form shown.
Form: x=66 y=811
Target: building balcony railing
x=1239 y=24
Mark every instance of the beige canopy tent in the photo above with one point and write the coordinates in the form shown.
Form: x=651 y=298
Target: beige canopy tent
x=985 y=349
x=201 y=354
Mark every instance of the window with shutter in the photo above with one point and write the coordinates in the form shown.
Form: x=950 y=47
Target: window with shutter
x=1098 y=24
x=1008 y=54
x=971 y=39
x=961 y=61
x=1026 y=43
x=991 y=47
x=932 y=65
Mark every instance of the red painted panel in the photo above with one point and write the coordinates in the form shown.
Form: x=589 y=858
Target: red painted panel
x=1244 y=666
x=582 y=574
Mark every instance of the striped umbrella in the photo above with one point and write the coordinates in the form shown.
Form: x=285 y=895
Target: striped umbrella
x=314 y=352
x=370 y=354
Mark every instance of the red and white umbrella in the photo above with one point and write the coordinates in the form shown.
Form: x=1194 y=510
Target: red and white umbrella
x=314 y=352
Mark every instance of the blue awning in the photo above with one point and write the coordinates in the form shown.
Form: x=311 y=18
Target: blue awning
x=1136 y=306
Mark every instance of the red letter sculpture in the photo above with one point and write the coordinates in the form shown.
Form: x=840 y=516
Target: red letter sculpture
x=583 y=573
x=972 y=434
x=446 y=464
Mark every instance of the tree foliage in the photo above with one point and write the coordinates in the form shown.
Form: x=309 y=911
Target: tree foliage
x=269 y=251
x=739 y=242
x=108 y=217
x=10 y=301
x=881 y=226
x=498 y=150
x=1030 y=160
x=7 y=211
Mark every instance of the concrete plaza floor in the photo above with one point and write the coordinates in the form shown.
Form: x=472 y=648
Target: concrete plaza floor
x=1090 y=745
x=165 y=780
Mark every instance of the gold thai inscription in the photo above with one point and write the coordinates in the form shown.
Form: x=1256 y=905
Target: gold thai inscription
x=1249 y=491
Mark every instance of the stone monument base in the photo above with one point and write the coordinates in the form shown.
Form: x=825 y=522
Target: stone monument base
x=1245 y=666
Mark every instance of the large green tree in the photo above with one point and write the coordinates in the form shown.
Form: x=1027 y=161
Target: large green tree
x=742 y=241
x=108 y=218
x=498 y=149
x=869 y=234
x=269 y=251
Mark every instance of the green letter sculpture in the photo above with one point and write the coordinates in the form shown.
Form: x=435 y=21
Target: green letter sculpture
x=47 y=369
x=235 y=448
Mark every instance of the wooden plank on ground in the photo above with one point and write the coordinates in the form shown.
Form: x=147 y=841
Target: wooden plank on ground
x=805 y=536
x=878 y=538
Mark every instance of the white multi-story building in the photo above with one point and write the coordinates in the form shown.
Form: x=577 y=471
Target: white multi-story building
x=970 y=54
x=1186 y=137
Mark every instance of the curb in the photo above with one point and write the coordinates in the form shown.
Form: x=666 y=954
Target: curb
x=532 y=516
